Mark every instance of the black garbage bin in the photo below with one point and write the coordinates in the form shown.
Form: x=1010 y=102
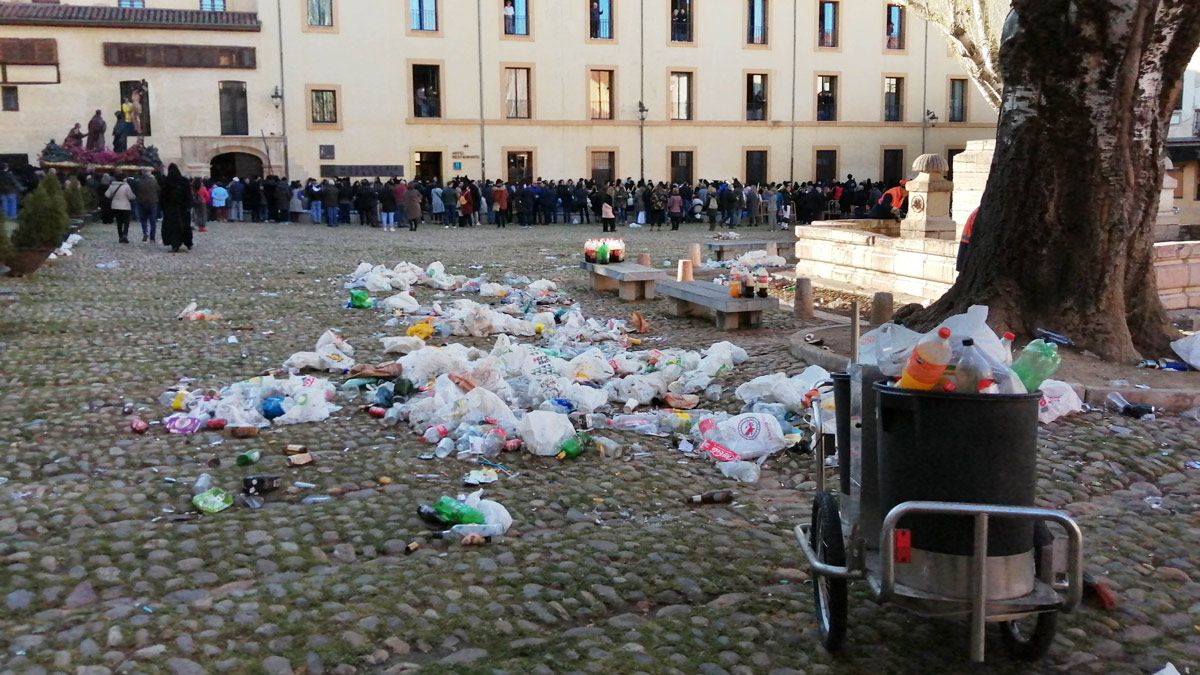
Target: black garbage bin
x=974 y=448
x=841 y=403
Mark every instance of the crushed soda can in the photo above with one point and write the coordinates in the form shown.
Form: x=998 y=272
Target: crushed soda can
x=301 y=459
x=138 y=426
x=243 y=432
x=257 y=485
x=377 y=411
x=215 y=425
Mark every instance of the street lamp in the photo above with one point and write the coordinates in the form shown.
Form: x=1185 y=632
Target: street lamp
x=641 y=111
x=277 y=97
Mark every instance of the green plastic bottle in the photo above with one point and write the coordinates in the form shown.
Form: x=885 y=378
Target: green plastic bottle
x=249 y=457
x=456 y=513
x=1038 y=361
x=602 y=253
x=573 y=446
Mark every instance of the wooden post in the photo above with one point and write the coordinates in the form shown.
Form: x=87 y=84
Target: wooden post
x=694 y=255
x=643 y=259
x=881 y=308
x=855 y=330
x=803 y=307
x=683 y=272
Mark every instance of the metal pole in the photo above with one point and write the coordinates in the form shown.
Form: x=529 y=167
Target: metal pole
x=925 y=90
x=855 y=330
x=642 y=92
x=792 y=150
x=482 y=125
x=282 y=87
x=979 y=588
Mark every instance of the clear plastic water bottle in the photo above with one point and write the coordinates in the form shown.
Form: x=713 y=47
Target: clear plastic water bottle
x=462 y=530
x=203 y=484
x=444 y=448
x=972 y=374
x=435 y=433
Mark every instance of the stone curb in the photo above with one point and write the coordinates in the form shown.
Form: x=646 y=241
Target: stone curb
x=1168 y=400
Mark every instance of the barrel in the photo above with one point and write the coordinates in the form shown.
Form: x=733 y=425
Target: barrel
x=949 y=447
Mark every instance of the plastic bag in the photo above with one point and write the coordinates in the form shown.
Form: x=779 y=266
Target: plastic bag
x=403 y=302
x=749 y=436
x=492 y=290
x=376 y=283
x=972 y=324
x=486 y=404
x=1188 y=349
x=303 y=361
x=360 y=299
x=494 y=513
x=640 y=388
x=334 y=337
x=401 y=345
x=591 y=366
x=427 y=363
x=741 y=471
x=1058 y=399
x=543 y=432
x=722 y=357
x=888 y=347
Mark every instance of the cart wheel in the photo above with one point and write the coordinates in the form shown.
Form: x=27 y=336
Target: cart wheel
x=829 y=595
x=1029 y=639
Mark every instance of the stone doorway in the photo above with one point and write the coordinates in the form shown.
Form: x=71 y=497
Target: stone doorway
x=229 y=164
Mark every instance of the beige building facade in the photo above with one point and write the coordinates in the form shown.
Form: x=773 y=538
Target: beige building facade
x=1183 y=146
x=667 y=89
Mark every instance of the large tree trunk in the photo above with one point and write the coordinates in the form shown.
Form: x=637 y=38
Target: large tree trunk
x=1064 y=235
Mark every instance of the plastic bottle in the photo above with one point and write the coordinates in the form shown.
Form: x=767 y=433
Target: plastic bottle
x=1038 y=361
x=764 y=285
x=1117 y=403
x=735 y=287
x=249 y=457
x=454 y=511
x=435 y=433
x=573 y=446
x=444 y=448
x=927 y=363
x=203 y=484
x=643 y=424
x=602 y=253
x=462 y=530
x=748 y=286
x=316 y=499
x=1006 y=341
x=972 y=374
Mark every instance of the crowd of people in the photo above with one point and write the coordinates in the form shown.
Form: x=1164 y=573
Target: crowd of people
x=183 y=205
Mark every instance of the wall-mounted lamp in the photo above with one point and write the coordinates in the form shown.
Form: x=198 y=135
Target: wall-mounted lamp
x=931 y=117
x=277 y=97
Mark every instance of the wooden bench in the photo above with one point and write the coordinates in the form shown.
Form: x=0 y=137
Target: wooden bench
x=689 y=298
x=726 y=249
x=631 y=281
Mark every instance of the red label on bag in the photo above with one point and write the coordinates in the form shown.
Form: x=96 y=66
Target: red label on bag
x=903 y=546
x=719 y=452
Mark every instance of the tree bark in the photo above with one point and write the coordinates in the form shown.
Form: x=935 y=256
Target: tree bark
x=1064 y=235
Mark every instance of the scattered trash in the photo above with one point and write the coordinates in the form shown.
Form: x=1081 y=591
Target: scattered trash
x=191 y=313
x=213 y=500
x=1115 y=402
x=711 y=497
x=1098 y=594
x=1154 y=502
x=1058 y=400
x=480 y=477
x=138 y=426
x=257 y=485
x=316 y=499
x=110 y=265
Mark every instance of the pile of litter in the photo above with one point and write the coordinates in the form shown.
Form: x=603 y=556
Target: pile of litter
x=65 y=249
x=749 y=262
x=256 y=403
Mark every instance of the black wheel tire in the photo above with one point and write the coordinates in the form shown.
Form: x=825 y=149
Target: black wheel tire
x=829 y=594
x=1027 y=645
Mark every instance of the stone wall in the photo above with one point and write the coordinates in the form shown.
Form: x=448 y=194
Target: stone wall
x=971 y=169
x=923 y=269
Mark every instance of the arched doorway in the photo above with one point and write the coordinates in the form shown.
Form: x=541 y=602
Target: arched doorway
x=242 y=164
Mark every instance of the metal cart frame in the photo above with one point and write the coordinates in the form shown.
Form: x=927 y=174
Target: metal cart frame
x=1057 y=586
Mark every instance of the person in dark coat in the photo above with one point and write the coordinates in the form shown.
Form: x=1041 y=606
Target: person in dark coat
x=281 y=200
x=95 y=135
x=412 y=208
x=176 y=202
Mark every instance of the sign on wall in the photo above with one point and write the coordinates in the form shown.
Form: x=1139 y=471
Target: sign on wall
x=361 y=170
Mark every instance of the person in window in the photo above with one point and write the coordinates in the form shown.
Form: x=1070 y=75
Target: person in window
x=510 y=18
x=595 y=20
x=679 y=25
x=825 y=106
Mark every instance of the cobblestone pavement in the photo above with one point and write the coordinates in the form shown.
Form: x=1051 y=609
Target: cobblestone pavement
x=606 y=571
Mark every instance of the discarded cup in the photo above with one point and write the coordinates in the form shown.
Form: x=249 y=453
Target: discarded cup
x=301 y=459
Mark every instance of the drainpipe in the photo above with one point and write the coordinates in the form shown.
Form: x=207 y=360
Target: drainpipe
x=482 y=126
x=642 y=93
x=282 y=87
x=925 y=90
x=795 y=39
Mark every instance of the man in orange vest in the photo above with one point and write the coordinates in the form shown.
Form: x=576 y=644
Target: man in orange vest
x=899 y=194
x=966 y=240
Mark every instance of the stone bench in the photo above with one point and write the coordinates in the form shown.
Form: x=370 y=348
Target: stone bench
x=732 y=248
x=690 y=298
x=631 y=281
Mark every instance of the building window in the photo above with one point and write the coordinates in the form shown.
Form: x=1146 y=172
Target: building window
x=681 y=96
x=826 y=98
x=600 y=19
x=131 y=3
x=827 y=24
x=893 y=168
x=681 y=20
x=600 y=103
x=516 y=93
x=324 y=106
x=756 y=167
x=516 y=17
x=603 y=167
x=756 y=23
x=9 y=102
x=234 y=113
x=212 y=5
x=520 y=166
x=427 y=87
x=895 y=27
x=958 y=100
x=424 y=14
x=681 y=167
x=826 y=166
x=320 y=13
x=756 y=97
x=893 y=99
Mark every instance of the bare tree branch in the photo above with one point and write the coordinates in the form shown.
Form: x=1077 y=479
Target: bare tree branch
x=972 y=28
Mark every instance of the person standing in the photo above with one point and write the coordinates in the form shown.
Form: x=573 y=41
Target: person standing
x=466 y=206
x=510 y=18
x=9 y=189
x=329 y=199
x=437 y=204
x=146 y=190
x=121 y=199
x=219 y=196
x=607 y=217
x=450 y=202
x=237 y=195
x=387 y=207
x=753 y=204
x=413 y=208
x=500 y=203
x=95 y=135
x=594 y=16
x=121 y=131
x=177 y=210
x=675 y=208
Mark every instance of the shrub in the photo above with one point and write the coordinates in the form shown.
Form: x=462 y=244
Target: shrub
x=43 y=221
x=74 y=200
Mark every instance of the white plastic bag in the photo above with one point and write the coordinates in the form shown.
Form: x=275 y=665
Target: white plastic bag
x=1188 y=349
x=494 y=513
x=403 y=302
x=1058 y=399
x=749 y=436
x=741 y=471
x=722 y=357
x=591 y=366
x=427 y=363
x=334 y=337
x=888 y=347
x=972 y=324
x=376 y=283
x=401 y=345
x=543 y=432
x=303 y=361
